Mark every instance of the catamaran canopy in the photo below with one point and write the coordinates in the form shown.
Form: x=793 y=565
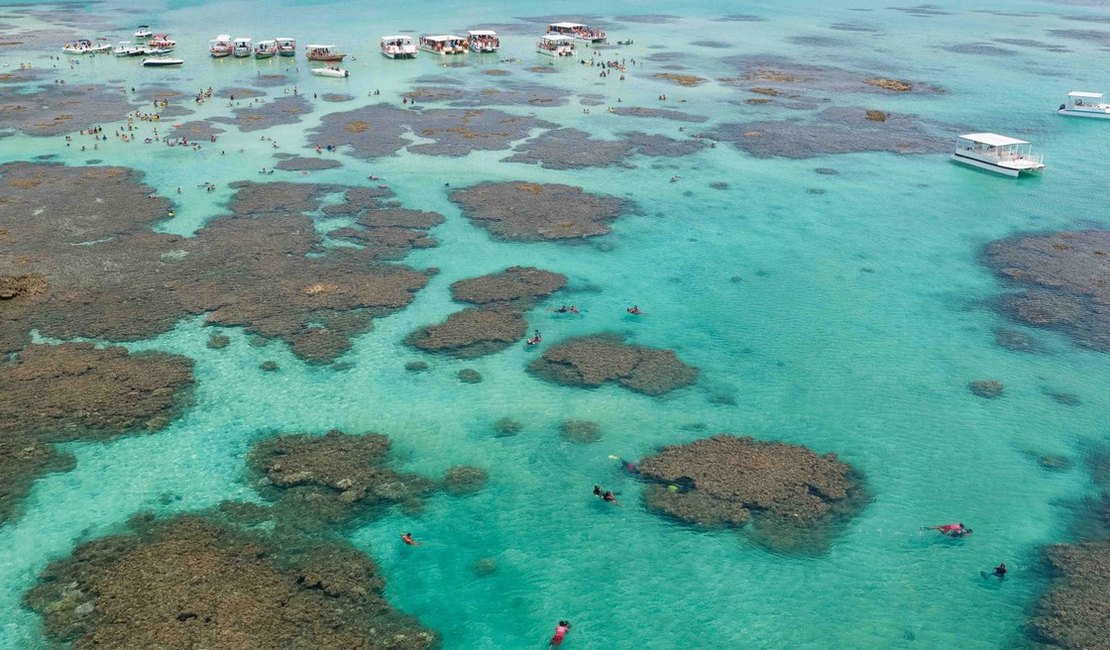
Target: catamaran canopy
x=992 y=139
x=567 y=25
x=1081 y=95
x=482 y=32
x=443 y=37
x=397 y=37
x=557 y=38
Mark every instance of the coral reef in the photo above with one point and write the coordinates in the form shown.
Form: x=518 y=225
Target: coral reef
x=593 y=360
x=523 y=211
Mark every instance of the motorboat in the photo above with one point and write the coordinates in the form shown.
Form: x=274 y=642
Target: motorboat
x=327 y=53
x=556 y=45
x=220 y=46
x=143 y=32
x=265 y=49
x=444 y=44
x=127 y=48
x=398 y=46
x=150 y=50
x=577 y=31
x=85 y=46
x=162 y=42
x=241 y=47
x=483 y=41
x=331 y=71
x=998 y=153
x=161 y=62
x=1082 y=104
x=286 y=46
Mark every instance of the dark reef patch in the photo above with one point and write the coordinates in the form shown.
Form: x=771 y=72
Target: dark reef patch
x=1096 y=36
x=239 y=93
x=272 y=276
x=1064 y=279
x=922 y=11
x=283 y=110
x=61 y=108
x=791 y=494
x=301 y=163
x=661 y=113
x=835 y=130
x=649 y=19
x=381 y=130
x=978 y=49
x=523 y=211
x=794 y=78
x=739 y=18
x=1033 y=43
x=192 y=582
x=196 y=130
x=716 y=45
x=591 y=361
x=337 y=97
x=569 y=148
x=74 y=391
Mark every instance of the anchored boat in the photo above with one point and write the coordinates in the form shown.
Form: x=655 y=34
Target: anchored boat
x=1081 y=104
x=998 y=153
x=241 y=47
x=324 y=53
x=286 y=46
x=127 y=48
x=483 y=41
x=85 y=46
x=265 y=49
x=161 y=62
x=398 y=46
x=143 y=32
x=162 y=42
x=331 y=71
x=556 y=45
x=444 y=44
x=577 y=31
x=220 y=46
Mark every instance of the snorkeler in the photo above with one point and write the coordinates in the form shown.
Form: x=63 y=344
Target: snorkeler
x=634 y=309
x=610 y=497
x=407 y=538
x=952 y=530
x=560 y=633
x=535 y=338
x=597 y=490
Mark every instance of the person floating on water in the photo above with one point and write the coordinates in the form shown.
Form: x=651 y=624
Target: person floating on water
x=952 y=530
x=1000 y=571
x=535 y=338
x=634 y=310
x=407 y=538
x=610 y=497
x=560 y=633
x=597 y=491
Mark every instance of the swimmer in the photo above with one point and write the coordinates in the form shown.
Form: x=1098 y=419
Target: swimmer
x=560 y=633
x=573 y=309
x=407 y=538
x=597 y=491
x=1000 y=571
x=634 y=310
x=610 y=497
x=535 y=338
x=562 y=310
x=952 y=530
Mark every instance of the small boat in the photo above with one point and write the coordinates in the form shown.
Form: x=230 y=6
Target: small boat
x=150 y=50
x=331 y=71
x=998 y=154
x=143 y=32
x=577 y=31
x=241 y=47
x=220 y=46
x=483 y=41
x=444 y=44
x=1081 y=104
x=162 y=42
x=324 y=53
x=265 y=49
x=556 y=45
x=398 y=46
x=161 y=62
x=85 y=46
x=127 y=48
x=286 y=46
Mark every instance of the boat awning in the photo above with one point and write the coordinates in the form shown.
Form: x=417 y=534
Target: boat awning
x=482 y=32
x=1082 y=95
x=992 y=139
x=443 y=37
x=284 y=39
x=557 y=38
x=397 y=37
x=567 y=25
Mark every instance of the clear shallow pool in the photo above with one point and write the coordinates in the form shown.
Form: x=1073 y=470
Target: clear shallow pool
x=849 y=321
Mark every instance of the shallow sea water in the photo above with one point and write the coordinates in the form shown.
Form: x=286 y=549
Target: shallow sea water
x=848 y=321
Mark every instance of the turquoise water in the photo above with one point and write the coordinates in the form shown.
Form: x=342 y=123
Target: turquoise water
x=858 y=319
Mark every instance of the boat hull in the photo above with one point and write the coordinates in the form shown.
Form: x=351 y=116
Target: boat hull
x=220 y=55
x=263 y=55
x=399 y=55
x=336 y=74
x=329 y=58
x=287 y=53
x=554 y=54
x=992 y=167
x=1094 y=114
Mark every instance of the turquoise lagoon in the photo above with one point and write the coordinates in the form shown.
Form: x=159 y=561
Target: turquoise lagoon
x=847 y=320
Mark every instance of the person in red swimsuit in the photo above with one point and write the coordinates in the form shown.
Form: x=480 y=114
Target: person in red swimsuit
x=560 y=633
x=407 y=538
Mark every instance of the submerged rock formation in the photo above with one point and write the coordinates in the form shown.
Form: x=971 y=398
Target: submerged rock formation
x=498 y=321
x=192 y=582
x=1064 y=279
x=74 y=391
x=263 y=267
x=727 y=481
x=590 y=361
x=522 y=211
x=326 y=479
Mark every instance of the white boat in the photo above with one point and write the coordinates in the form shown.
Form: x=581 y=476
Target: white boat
x=143 y=32
x=444 y=44
x=162 y=42
x=286 y=46
x=156 y=51
x=556 y=45
x=161 y=62
x=483 y=41
x=997 y=153
x=327 y=53
x=265 y=49
x=241 y=47
x=398 y=46
x=1081 y=104
x=85 y=46
x=331 y=71
x=220 y=46
x=127 y=48
x=577 y=31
